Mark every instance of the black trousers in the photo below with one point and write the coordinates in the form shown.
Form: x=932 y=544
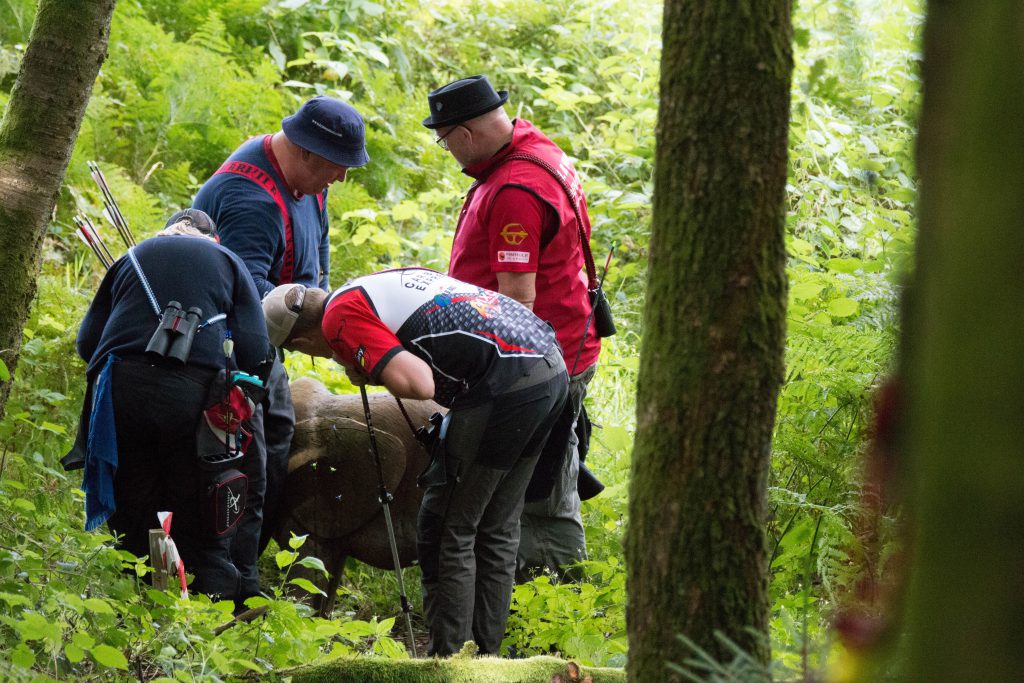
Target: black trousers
x=156 y=411
x=278 y=416
x=468 y=528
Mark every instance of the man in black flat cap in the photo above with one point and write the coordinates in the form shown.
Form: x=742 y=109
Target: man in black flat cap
x=269 y=200
x=521 y=232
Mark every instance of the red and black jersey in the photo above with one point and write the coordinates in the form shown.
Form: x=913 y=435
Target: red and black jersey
x=477 y=342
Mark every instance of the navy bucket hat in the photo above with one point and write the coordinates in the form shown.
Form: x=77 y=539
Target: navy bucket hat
x=462 y=100
x=331 y=129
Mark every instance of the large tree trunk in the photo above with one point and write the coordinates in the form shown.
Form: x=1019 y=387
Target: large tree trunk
x=714 y=327
x=963 y=349
x=66 y=48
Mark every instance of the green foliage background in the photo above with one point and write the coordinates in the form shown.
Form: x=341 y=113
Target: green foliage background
x=187 y=80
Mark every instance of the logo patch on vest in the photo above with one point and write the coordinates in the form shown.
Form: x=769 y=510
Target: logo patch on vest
x=514 y=234
x=513 y=257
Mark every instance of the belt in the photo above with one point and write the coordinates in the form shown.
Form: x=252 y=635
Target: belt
x=200 y=374
x=546 y=368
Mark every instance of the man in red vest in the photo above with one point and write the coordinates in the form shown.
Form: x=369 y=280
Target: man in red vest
x=521 y=233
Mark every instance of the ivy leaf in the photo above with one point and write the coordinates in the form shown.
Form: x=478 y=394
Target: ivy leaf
x=109 y=657
x=307 y=585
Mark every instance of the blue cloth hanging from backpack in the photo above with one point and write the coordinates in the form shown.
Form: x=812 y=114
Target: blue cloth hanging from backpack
x=101 y=454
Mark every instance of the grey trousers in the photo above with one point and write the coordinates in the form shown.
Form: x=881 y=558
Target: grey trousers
x=552 y=529
x=468 y=528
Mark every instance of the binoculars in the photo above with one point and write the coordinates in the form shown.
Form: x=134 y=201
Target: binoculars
x=174 y=333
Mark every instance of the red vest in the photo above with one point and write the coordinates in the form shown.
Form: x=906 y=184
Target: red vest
x=561 y=277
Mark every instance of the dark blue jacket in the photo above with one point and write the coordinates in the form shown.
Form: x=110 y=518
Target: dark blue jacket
x=250 y=223
x=192 y=271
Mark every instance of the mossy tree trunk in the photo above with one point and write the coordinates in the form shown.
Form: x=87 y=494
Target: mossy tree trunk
x=963 y=351
x=65 y=50
x=714 y=328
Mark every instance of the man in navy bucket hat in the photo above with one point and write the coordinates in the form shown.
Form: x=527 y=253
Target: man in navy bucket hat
x=269 y=202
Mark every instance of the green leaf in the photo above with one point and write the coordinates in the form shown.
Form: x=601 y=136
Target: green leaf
x=160 y=597
x=50 y=427
x=316 y=563
x=82 y=640
x=5 y=374
x=296 y=541
x=615 y=438
x=34 y=626
x=806 y=290
x=249 y=664
x=109 y=657
x=23 y=505
x=23 y=656
x=307 y=585
x=98 y=606
x=843 y=307
x=285 y=558
x=15 y=599
x=845 y=265
x=256 y=601
x=74 y=653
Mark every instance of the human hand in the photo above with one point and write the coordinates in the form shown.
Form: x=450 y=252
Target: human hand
x=355 y=375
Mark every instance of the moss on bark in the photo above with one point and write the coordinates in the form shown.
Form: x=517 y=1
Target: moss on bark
x=453 y=670
x=712 y=356
x=37 y=135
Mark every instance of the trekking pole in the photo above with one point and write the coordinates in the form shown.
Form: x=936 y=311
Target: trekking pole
x=385 y=499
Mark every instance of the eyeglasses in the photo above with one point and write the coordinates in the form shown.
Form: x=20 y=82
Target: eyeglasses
x=442 y=143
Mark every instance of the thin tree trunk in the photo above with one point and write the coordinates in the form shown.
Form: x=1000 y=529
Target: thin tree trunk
x=65 y=50
x=714 y=328
x=963 y=350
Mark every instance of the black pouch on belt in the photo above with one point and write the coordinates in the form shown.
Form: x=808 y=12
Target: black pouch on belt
x=432 y=438
x=224 y=501
x=604 y=325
